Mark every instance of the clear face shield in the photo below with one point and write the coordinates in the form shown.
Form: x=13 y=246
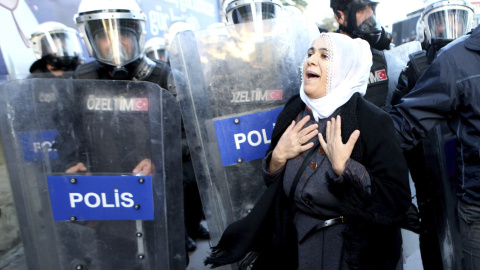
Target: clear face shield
x=158 y=54
x=448 y=23
x=57 y=44
x=253 y=12
x=116 y=42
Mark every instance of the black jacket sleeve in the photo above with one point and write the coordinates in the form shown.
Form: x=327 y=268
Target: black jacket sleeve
x=433 y=99
x=382 y=156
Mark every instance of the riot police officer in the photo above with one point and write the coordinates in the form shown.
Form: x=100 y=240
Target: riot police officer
x=115 y=138
x=57 y=49
x=114 y=34
x=440 y=23
x=356 y=18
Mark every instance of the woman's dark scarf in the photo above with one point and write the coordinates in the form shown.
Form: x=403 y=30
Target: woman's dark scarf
x=266 y=238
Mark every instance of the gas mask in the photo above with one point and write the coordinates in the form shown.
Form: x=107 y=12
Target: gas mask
x=369 y=30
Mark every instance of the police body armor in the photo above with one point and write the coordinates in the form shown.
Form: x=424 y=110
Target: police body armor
x=378 y=83
x=231 y=87
x=105 y=217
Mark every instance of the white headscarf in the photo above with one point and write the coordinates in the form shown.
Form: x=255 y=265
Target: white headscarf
x=349 y=66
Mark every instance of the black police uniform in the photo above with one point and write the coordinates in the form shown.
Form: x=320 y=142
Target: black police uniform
x=377 y=89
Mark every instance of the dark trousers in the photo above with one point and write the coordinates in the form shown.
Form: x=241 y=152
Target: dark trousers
x=193 y=210
x=469 y=216
x=427 y=201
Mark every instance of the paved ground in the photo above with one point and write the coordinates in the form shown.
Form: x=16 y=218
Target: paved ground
x=197 y=257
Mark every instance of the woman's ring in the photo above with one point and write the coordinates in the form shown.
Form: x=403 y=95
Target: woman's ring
x=300 y=141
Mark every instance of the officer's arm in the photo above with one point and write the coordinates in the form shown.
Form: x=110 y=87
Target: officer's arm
x=402 y=86
x=433 y=99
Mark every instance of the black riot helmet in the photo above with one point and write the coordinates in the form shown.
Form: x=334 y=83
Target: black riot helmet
x=369 y=30
x=241 y=11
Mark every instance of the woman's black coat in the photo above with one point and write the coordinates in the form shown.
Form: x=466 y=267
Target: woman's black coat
x=266 y=237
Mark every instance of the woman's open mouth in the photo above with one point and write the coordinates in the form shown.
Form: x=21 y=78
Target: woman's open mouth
x=311 y=75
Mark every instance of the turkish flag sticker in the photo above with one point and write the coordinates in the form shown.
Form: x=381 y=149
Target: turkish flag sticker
x=140 y=104
x=381 y=75
x=275 y=94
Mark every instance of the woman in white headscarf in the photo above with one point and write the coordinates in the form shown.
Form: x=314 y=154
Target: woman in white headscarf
x=340 y=180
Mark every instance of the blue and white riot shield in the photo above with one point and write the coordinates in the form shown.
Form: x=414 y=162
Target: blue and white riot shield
x=232 y=83
x=95 y=169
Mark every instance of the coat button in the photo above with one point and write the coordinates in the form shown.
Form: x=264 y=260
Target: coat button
x=308 y=200
x=313 y=165
x=321 y=150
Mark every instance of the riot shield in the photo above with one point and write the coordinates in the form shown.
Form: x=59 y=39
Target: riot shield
x=397 y=59
x=102 y=216
x=232 y=82
x=439 y=209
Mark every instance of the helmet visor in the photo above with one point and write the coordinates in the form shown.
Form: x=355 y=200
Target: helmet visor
x=254 y=12
x=58 y=44
x=157 y=54
x=448 y=23
x=116 y=42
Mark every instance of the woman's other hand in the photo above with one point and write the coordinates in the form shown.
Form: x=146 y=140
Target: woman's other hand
x=337 y=152
x=292 y=143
